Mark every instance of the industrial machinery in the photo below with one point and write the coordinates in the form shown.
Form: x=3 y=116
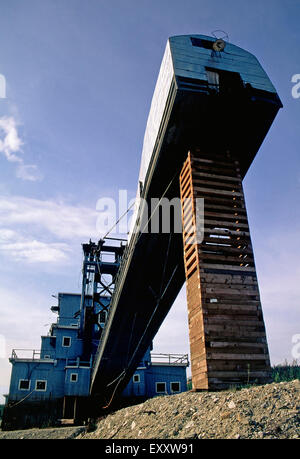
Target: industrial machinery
x=212 y=107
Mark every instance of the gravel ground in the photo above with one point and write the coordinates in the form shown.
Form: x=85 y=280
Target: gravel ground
x=46 y=434
x=270 y=411
x=259 y=412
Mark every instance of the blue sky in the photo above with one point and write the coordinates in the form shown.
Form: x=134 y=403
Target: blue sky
x=79 y=82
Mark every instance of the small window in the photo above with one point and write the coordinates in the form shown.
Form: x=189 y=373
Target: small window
x=213 y=79
x=41 y=385
x=207 y=44
x=102 y=317
x=24 y=384
x=74 y=377
x=66 y=341
x=136 y=378
x=46 y=356
x=175 y=386
x=161 y=388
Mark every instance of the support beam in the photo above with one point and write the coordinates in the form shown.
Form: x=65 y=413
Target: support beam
x=228 y=342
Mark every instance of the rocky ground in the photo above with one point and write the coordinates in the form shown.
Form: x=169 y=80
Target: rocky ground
x=45 y=434
x=270 y=411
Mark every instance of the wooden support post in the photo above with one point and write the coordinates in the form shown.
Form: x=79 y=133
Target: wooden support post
x=226 y=328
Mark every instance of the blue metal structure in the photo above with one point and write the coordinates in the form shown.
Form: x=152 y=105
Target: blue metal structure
x=211 y=96
x=158 y=374
x=54 y=382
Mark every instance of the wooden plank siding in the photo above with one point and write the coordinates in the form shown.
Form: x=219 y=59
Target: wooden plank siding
x=226 y=328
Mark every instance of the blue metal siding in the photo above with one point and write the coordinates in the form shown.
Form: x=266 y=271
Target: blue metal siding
x=67 y=352
x=137 y=389
x=153 y=374
x=69 y=304
x=191 y=61
x=81 y=386
x=33 y=371
x=48 y=346
x=146 y=360
x=165 y=374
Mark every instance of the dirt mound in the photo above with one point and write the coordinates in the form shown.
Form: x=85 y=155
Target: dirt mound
x=269 y=411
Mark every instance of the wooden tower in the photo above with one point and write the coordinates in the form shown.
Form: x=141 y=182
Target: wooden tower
x=226 y=328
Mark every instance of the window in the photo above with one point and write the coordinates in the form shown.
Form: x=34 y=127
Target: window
x=161 y=388
x=207 y=44
x=102 y=317
x=223 y=81
x=66 y=341
x=24 y=384
x=213 y=79
x=74 y=377
x=136 y=378
x=40 y=385
x=46 y=356
x=175 y=386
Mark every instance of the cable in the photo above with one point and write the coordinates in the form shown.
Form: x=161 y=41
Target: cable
x=120 y=218
x=130 y=338
x=150 y=215
x=152 y=315
x=17 y=403
x=158 y=302
x=158 y=203
x=129 y=251
x=123 y=374
x=116 y=379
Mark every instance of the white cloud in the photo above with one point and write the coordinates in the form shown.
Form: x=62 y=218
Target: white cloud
x=11 y=142
x=43 y=231
x=11 y=147
x=61 y=220
x=28 y=172
x=15 y=245
x=36 y=251
x=6 y=235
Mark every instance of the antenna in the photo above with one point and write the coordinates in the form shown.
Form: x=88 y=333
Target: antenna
x=220 y=34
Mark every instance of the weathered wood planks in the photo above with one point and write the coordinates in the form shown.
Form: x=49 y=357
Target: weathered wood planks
x=226 y=328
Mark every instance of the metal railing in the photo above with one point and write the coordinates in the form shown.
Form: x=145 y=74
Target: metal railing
x=32 y=354
x=170 y=359
x=77 y=362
